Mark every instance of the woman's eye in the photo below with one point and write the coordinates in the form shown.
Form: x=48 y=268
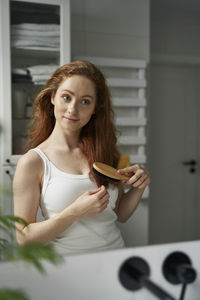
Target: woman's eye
x=85 y=101
x=66 y=97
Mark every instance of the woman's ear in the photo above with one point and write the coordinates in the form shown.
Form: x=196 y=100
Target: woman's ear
x=52 y=99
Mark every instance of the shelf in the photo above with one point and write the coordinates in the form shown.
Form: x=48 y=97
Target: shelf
x=31 y=83
x=132 y=140
x=124 y=121
x=114 y=62
x=126 y=83
x=42 y=52
x=128 y=102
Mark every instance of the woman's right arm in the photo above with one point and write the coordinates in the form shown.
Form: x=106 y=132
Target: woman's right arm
x=26 y=190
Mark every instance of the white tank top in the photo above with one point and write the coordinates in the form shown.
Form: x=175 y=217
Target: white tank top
x=96 y=233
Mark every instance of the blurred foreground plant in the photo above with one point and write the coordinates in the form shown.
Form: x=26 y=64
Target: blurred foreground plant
x=33 y=254
x=8 y=294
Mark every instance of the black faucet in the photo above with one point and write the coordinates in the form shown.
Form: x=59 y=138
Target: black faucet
x=177 y=269
x=134 y=274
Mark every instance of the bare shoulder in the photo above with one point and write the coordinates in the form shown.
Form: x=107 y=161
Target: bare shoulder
x=30 y=160
x=29 y=164
x=27 y=186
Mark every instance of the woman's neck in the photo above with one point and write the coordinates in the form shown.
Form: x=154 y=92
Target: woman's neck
x=67 y=140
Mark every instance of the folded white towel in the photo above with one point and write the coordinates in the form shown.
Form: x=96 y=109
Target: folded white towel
x=38 y=27
x=39 y=82
x=19 y=71
x=40 y=77
x=39 y=48
x=53 y=40
x=19 y=32
x=33 y=42
x=42 y=69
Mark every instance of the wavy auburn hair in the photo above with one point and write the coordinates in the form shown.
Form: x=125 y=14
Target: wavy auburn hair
x=98 y=137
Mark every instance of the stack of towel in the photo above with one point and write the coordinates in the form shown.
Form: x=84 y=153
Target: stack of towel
x=34 y=74
x=40 y=73
x=36 y=36
x=21 y=75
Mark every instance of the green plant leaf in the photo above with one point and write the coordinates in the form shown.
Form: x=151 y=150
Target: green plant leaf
x=31 y=254
x=3 y=243
x=5 y=221
x=16 y=219
x=12 y=294
x=9 y=221
x=7 y=224
x=35 y=253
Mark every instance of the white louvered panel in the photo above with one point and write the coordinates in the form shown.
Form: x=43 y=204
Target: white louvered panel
x=141 y=73
x=141 y=131
x=141 y=150
x=124 y=121
x=132 y=140
x=138 y=159
x=124 y=82
x=141 y=93
x=126 y=79
x=141 y=112
x=128 y=102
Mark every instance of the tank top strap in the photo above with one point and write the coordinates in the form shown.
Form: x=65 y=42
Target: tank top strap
x=47 y=169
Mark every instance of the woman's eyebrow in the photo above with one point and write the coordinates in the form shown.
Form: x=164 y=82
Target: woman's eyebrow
x=87 y=96
x=66 y=90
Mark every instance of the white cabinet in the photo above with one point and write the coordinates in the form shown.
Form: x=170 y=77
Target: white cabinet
x=33 y=33
x=35 y=40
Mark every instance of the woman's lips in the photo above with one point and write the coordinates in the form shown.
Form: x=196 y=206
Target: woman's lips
x=71 y=119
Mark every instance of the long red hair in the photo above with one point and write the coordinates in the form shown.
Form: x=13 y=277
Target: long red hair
x=98 y=137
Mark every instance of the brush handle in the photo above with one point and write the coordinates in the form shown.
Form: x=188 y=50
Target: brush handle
x=123 y=177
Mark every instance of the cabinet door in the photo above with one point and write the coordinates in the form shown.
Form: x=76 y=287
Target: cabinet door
x=35 y=38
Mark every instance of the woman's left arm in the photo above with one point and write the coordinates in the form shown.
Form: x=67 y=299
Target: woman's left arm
x=127 y=202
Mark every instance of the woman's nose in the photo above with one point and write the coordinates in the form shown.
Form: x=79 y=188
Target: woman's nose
x=72 y=107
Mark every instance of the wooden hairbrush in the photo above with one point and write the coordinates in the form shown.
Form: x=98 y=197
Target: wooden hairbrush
x=108 y=172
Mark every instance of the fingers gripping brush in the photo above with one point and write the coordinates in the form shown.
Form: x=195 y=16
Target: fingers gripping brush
x=108 y=172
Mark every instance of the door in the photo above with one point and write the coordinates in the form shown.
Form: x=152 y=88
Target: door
x=174 y=142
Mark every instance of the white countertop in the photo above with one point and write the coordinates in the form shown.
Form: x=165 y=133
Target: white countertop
x=95 y=276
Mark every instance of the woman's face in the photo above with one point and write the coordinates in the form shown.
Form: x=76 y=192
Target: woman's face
x=74 y=102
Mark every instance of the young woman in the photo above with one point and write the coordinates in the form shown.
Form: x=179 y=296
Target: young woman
x=72 y=128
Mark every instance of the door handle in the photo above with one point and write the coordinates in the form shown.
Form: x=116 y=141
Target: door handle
x=191 y=163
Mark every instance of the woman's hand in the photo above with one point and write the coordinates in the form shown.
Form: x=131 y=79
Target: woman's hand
x=139 y=177
x=91 y=203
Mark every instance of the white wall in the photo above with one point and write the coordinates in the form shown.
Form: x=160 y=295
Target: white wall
x=175 y=28
x=110 y=28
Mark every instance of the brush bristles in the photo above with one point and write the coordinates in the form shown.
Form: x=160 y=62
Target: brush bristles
x=104 y=176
